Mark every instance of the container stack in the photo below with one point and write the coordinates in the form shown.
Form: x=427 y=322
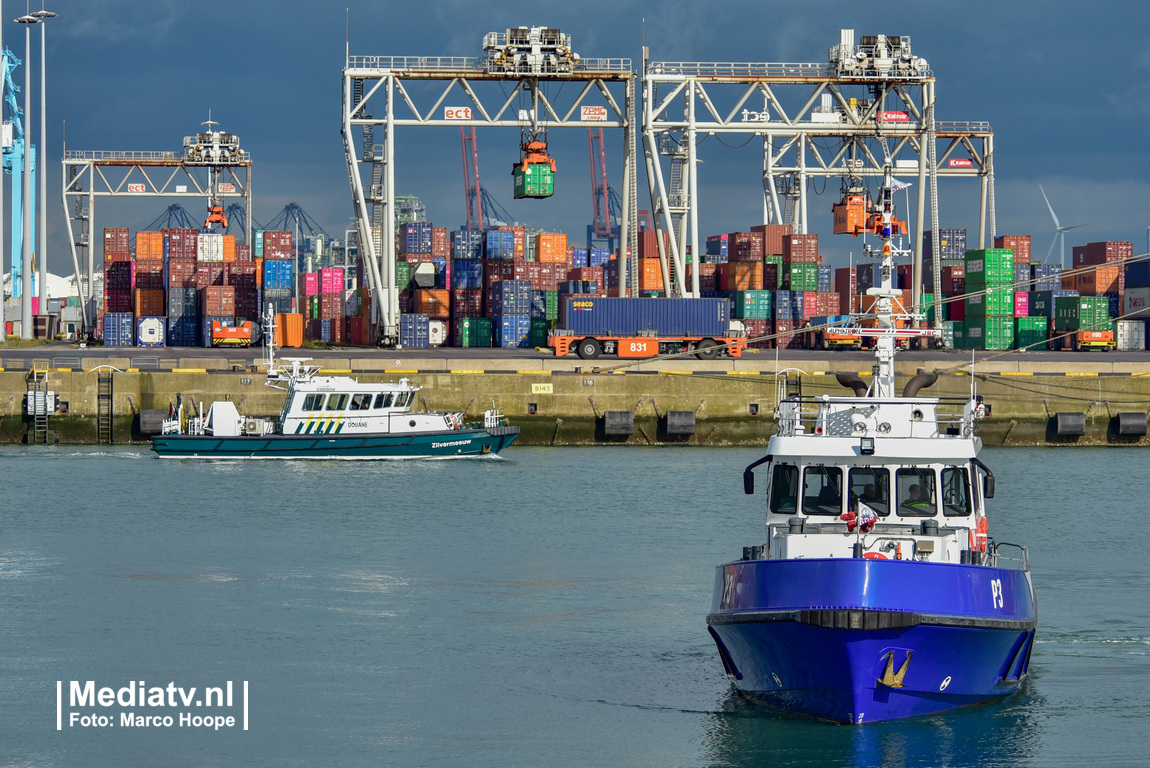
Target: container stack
x=178 y=281
x=990 y=307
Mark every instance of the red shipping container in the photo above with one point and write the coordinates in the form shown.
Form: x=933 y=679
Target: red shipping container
x=744 y=246
x=243 y=253
x=330 y=305
x=810 y=304
x=211 y=273
x=150 y=275
x=786 y=335
x=772 y=237
x=770 y=277
x=1019 y=244
x=707 y=278
x=904 y=276
x=956 y=309
x=845 y=280
x=110 y=257
x=117 y=240
x=495 y=270
x=467 y=302
x=119 y=300
x=440 y=245
x=802 y=249
x=119 y=276
x=181 y=273
x=756 y=329
x=218 y=301
x=1102 y=252
x=649 y=243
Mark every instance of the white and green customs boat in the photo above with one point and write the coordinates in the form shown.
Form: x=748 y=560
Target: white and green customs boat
x=329 y=417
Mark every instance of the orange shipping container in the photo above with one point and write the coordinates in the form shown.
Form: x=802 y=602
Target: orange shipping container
x=433 y=302
x=150 y=302
x=149 y=246
x=229 y=247
x=551 y=248
x=850 y=215
x=289 y=330
x=650 y=275
x=740 y=276
x=1102 y=279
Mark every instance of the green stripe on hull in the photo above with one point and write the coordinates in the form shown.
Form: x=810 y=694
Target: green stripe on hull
x=441 y=445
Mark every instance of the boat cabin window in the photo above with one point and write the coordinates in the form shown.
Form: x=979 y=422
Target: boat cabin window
x=784 y=489
x=383 y=400
x=313 y=402
x=916 y=496
x=955 y=492
x=403 y=399
x=822 y=491
x=871 y=486
x=360 y=402
x=336 y=402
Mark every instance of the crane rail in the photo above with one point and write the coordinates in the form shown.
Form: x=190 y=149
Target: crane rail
x=767 y=69
x=478 y=66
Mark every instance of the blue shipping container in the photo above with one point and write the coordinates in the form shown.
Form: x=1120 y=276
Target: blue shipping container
x=824 y=278
x=415 y=237
x=511 y=331
x=414 y=331
x=182 y=302
x=466 y=244
x=1138 y=274
x=499 y=244
x=599 y=316
x=119 y=329
x=579 y=258
x=597 y=257
x=1047 y=277
x=278 y=274
x=183 y=331
x=467 y=273
x=510 y=297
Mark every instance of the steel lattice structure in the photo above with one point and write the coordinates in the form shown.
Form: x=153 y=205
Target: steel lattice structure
x=202 y=170
x=517 y=58
x=679 y=105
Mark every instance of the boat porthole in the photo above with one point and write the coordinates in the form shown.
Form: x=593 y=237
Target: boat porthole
x=916 y=415
x=884 y=427
x=945 y=683
x=411 y=423
x=778 y=682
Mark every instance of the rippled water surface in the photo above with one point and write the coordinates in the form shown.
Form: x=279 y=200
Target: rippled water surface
x=542 y=609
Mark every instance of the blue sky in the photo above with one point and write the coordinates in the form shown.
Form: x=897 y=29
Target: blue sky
x=1065 y=86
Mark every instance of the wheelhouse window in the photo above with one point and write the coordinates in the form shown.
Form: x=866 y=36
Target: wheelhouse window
x=383 y=400
x=784 y=489
x=403 y=399
x=916 y=492
x=871 y=486
x=313 y=402
x=360 y=402
x=336 y=402
x=823 y=490
x=955 y=492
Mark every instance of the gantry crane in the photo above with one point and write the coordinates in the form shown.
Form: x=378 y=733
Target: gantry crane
x=14 y=159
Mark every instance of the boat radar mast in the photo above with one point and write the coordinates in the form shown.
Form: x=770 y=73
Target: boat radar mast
x=886 y=332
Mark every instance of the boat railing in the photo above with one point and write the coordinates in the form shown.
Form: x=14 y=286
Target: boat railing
x=1015 y=558
x=796 y=412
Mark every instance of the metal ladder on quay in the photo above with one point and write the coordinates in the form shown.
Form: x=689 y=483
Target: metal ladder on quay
x=37 y=394
x=104 y=434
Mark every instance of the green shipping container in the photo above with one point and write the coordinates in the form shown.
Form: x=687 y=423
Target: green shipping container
x=402 y=275
x=553 y=305
x=948 y=328
x=993 y=303
x=473 y=332
x=540 y=330
x=259 y=243
x=989 y=267
x=959 y=329
x=536 y=181
x=754 y=305
x=803 y=277
x=1072 y=313
x=1031 y=332
x=989 y=332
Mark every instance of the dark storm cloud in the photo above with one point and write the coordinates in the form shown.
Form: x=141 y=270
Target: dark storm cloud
x=1063 y=85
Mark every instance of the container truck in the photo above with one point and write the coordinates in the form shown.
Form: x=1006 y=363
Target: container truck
x=593 y=325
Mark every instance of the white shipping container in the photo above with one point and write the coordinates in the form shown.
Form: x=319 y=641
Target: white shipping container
x=210 y=247
x=437 y=333
x=1132 y=335
x=150 y=331
x=1136 y=302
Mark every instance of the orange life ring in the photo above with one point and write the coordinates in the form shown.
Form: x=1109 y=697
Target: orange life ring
x=978 y=536
x=875 y=556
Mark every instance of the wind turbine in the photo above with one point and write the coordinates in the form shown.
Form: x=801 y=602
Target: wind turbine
x=1059 y=231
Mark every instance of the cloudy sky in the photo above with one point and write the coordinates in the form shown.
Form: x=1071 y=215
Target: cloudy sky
x=1065 y=86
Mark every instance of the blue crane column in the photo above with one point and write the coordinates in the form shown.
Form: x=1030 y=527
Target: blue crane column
x=13 y=163
x=26 y=254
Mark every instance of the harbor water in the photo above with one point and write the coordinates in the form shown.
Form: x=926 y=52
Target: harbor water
x=546 y=608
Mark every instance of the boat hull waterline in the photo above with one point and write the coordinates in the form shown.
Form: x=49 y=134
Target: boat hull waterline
x=448 y=444
x=819 y=637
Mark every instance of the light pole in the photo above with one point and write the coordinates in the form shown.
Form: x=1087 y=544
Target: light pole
x=42 y=15
x=26 y=238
